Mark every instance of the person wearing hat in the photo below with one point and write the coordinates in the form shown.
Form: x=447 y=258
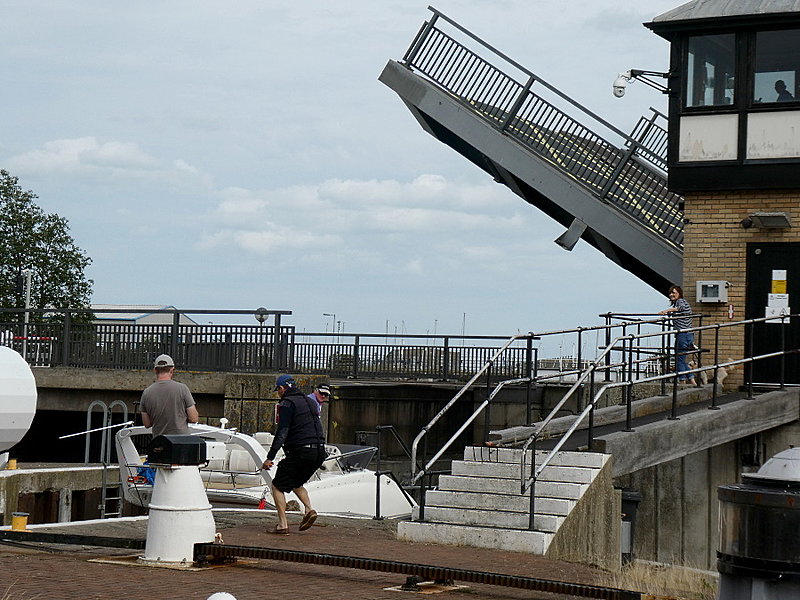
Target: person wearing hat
x=167 y=406
x=300 y=435
x=320 y=394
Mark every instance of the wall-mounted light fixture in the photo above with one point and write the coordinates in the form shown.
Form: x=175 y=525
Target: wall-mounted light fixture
x=767 y=220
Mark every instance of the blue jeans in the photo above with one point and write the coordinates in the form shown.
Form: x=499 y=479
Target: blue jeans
x=684 y=342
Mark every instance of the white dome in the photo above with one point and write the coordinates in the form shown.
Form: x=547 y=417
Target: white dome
x=17 y=398
x=784 y=466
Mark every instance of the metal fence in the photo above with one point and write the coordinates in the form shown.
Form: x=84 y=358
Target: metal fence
x=423 y=357
x=54 y=338
x=205 y=348
x=629 y=175
x=60 y=338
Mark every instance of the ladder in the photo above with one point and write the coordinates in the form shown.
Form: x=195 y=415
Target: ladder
x=111 y=492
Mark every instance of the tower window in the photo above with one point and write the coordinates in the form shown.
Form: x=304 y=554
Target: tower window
x=711 y=68
x=777 y=66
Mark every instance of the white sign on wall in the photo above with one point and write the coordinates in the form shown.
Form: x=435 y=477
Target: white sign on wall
x=777 y=306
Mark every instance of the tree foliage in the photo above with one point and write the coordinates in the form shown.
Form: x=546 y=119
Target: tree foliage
x=32 y=239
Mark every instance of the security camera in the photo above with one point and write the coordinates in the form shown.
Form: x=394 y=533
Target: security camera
x=620 y=83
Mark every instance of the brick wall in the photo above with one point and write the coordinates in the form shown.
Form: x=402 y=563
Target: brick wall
x=715 y=245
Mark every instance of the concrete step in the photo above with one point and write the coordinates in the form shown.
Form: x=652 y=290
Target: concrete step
x=490 y=518
x=513 y=455
x=532 y=542
x=544 y=489
x=499 y=502
x=512 y=471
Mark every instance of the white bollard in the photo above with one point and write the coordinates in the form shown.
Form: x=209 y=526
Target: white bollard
x=221 y=596
x=180 y=516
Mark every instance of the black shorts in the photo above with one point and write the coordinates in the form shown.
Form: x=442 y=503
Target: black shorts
x=298 y=466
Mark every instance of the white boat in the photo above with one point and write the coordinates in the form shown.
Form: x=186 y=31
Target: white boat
x=233 y=477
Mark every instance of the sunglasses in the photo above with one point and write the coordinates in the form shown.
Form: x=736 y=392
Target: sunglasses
x=326 y=394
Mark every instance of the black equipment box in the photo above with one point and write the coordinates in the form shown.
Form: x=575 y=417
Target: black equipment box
x=177 y=450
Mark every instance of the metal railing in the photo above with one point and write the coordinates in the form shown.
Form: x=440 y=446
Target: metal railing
x=533 y=376
x=641 y=357
x=55 y=338
x=63 y=337
x=629 y=174
x=627 y=342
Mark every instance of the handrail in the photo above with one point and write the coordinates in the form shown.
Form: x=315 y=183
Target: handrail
x=537 y=470
x=378 y=471
x=416 y=475
x=531 y=74
x=600 y=363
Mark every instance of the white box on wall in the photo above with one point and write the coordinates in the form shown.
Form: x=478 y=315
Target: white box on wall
x=712 y=291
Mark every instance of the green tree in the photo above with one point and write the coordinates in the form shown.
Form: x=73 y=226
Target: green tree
x=32 y=239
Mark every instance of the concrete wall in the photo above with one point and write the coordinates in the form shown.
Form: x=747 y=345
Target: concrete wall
x=248 y=402
x=591 y=532
x=677 y=519
x=53 y=494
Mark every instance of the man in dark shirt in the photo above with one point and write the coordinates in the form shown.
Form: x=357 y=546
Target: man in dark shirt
x=300 y=435
x=783 y=93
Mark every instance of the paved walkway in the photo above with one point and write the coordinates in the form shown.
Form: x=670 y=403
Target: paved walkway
x=55 y=572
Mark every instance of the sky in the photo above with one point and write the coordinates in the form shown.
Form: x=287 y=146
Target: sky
x=232 y=155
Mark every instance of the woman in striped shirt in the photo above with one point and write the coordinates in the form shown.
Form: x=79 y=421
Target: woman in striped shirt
x=684 y=340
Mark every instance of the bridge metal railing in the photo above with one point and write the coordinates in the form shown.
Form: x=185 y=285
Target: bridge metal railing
x=65 y=338
x=627 y=171
x=74 y=338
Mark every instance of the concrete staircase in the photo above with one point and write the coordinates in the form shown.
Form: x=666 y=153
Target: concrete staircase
x=480 y=503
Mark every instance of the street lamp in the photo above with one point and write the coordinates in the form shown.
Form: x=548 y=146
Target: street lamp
x=261 y=316
x=332 y=322
x=27 y=273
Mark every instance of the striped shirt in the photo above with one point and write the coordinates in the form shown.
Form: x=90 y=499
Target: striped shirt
x=681 y=318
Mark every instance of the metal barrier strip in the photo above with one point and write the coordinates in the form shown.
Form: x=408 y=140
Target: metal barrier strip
x=9 y=535
x=206 y=551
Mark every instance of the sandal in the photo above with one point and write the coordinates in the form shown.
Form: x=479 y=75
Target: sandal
x=308 y=520
x=278 y=530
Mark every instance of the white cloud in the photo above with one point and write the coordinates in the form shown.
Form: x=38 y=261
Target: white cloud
x=268 y=240
x=89 y=156
x=415 y=267
x=429 y=226
x=427 y=205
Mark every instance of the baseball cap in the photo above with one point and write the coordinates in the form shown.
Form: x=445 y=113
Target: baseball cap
x=164 y=360
x=284 y=380
x=324 y=389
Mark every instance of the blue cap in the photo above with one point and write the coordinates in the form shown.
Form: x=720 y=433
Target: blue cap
x=284 y=380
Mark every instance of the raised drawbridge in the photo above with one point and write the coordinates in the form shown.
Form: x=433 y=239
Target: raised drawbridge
x=607 y=188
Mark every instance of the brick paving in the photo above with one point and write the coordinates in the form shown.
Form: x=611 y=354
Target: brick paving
x=55 y=572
